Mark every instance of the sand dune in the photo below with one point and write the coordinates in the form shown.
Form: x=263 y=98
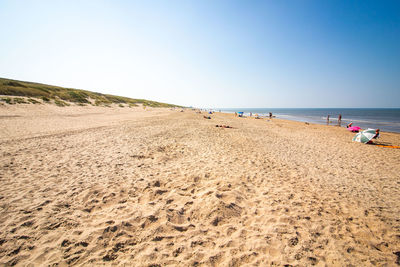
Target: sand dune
x=155 y=187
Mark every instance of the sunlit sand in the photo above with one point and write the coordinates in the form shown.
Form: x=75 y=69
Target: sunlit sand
x=97 y=185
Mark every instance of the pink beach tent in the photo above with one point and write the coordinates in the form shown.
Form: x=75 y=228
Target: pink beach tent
x=354 y=129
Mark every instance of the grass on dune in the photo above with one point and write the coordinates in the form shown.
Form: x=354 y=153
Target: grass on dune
x=61 y=96
x=15 y=100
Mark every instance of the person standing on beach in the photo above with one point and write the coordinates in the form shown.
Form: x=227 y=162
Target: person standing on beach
x=327 y=120
x=270 y=115
x=339 y=121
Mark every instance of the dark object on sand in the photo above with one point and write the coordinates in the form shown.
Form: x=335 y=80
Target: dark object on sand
x=223 y=126
x=397 y=253
x=207 y=117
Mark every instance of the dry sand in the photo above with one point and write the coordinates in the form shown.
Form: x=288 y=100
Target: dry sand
x=103 y=186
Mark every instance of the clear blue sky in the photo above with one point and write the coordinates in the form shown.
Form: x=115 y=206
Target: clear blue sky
x=210 y=53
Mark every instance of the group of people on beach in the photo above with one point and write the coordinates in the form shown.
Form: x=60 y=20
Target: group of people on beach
x=339 y=120
x=240 y=114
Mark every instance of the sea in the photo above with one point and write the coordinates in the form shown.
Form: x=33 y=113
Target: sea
x=386 y=119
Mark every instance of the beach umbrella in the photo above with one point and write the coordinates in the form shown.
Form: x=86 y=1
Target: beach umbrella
x=365 y=136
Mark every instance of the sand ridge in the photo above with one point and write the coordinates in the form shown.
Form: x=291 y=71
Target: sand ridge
x=89 y=185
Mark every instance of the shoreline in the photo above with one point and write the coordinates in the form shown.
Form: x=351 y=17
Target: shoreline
x=304 y=122
x=299 y=115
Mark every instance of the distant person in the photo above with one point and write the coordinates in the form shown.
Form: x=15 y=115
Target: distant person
x=354 y=129
x=270 y=115
x=251 y=114
x=375 y=136
x=327 y=119
x=339 y=121
x=235 y=114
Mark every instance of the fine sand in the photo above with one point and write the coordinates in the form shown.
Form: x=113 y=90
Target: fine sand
x=155 y=187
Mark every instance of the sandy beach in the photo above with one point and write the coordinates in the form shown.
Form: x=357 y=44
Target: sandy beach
x=154 y=187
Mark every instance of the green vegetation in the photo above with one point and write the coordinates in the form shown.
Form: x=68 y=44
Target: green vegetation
x=19 y=100
x=60 y=103
x=62 y=96
x=15 y=100
x=8 y=100
x=33 y=101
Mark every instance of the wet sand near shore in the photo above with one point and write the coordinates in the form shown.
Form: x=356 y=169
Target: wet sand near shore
x=112 y=186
